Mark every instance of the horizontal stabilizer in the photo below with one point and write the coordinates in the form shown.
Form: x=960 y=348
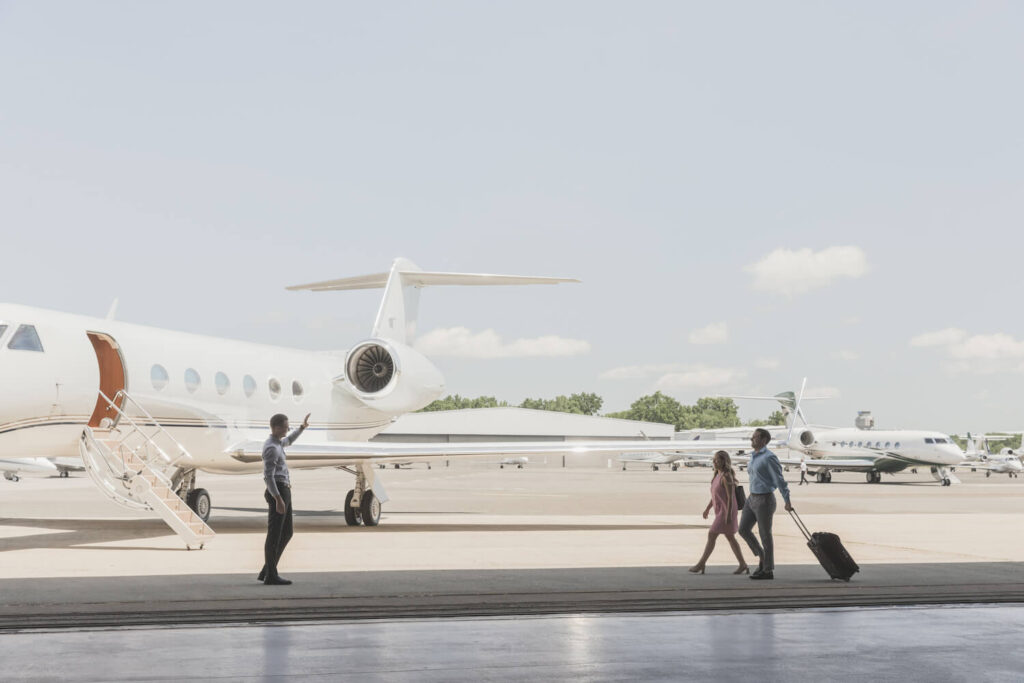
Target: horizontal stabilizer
x=425 y=279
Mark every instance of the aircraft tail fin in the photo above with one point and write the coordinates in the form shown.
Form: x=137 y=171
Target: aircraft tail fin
x=396 y=317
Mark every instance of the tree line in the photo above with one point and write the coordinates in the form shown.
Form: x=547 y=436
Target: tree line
x=706 y=413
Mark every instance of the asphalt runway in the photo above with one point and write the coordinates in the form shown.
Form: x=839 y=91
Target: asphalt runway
x=475 y=540
x=977 y=644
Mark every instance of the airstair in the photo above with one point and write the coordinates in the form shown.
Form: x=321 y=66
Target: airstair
x=134 y=461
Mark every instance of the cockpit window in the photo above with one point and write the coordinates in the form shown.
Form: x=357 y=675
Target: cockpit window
x=929 y=440
x=25 y=339
x=3 y=328
x=940 y=441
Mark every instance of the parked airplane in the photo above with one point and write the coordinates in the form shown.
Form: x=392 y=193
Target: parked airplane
x=13 y=468
x=146 y=408
x=979 y=457
x=871 y=451
x=517 y=462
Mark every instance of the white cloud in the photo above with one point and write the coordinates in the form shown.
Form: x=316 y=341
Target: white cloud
x=988 y=347
x=715 y=333
x=463 y=343
x=845 y=354
x=822 y=392
x=768 y=363
x=794 y=271
x=640 y=371
x=699 y=377
x=950 y=335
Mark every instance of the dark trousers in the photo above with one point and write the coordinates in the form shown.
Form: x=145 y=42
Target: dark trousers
x=759 y=509
x=279 y=529
x=803 y=478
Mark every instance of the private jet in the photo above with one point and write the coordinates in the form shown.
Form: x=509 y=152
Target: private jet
x=146 y=410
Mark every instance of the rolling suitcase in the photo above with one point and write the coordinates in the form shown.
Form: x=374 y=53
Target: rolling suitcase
x=829 y=550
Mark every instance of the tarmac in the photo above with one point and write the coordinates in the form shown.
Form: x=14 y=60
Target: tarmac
x=472 y=540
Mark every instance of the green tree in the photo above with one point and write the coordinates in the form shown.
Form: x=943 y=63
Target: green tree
x=710 y=413
x=456 y=402
x=775 y=419
x=656 y=407
x=580 y=404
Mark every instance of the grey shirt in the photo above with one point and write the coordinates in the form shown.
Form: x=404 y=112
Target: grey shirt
x=275 y=465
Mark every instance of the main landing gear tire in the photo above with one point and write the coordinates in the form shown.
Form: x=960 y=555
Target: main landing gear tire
x=199 y=501
x=874 y=477
x=824 y=477
x=369 y=509
x=351 y=513
x=946 y=482
x=63 y=474
x=989 y=474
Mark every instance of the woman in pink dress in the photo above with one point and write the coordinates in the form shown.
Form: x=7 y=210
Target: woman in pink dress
x=723 y=500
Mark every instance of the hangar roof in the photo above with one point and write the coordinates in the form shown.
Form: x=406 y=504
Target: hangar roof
x=524 y=422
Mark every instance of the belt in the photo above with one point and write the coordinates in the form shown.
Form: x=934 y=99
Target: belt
x=282 y=482
x=762 y=494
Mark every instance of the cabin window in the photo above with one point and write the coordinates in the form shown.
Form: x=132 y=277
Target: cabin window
x=25 y=339
x=192 y=380
x=159 y=377
x=249 y=385
x=929 y=440
x=222 y=383
x=897 y=444
x=275 y=388
x=888 y=444
x=860 y=444
x=843 y=444
x=297 y=390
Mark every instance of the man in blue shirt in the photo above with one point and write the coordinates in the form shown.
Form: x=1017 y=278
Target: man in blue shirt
x=278 y=496
x=765 y=473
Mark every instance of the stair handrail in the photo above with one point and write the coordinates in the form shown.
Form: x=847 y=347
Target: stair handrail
x=127 y=398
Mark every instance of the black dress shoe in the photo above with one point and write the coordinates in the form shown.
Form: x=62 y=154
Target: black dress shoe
x=762 y=576
x=262 y=575
x=276 y=581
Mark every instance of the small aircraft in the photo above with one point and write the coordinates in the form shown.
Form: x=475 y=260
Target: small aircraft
x=873 y=452
x=13 y=468
x=146 y=409
x=517 y=462
x=978 y=456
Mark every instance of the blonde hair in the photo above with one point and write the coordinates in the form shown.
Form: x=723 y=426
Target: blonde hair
x=723 y=465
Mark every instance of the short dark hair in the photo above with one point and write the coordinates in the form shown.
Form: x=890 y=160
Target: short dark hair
x=764 y=434
x=278 y=420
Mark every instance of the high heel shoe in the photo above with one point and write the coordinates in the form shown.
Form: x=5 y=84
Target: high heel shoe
x=697 y=569
x=745 y=569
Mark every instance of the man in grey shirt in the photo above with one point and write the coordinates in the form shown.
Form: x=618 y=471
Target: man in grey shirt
x=278 y=496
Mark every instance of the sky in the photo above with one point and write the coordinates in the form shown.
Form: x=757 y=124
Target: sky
x=751 y=193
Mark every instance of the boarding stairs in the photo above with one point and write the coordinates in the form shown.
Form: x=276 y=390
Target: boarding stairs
x=133 y=460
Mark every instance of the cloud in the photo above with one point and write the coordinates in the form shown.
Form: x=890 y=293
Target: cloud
x=640 y=371
x=699 y=377
x=822 y=392
x=463 y=343
x=715 y=333
x=789 y=271
x=845 y=354
x=950 y=335
x=768 y=363
x=987 y=347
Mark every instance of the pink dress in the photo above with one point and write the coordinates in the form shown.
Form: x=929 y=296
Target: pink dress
x=720 y=498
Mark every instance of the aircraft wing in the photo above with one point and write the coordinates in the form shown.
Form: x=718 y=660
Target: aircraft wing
x=839 y=464
x=317 y=454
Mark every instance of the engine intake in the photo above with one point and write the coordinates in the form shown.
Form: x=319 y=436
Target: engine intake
x=806 y=437
x=370 y=368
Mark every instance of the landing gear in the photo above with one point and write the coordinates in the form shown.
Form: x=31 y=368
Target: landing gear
x=874 y=477
x=11 y=476
x=823 y=477
x=369 y=509
x=654 y=468
x=362 y=505
x=675 y=467
x=63 y=474
x=352 y=517
x=946 y=482
x=199 y=501
x=989 y=474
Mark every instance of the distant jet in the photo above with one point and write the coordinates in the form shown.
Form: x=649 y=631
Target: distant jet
x=978 y=457
x=517 y=462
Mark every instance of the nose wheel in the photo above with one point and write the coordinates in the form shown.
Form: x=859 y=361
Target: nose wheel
x=366 y=514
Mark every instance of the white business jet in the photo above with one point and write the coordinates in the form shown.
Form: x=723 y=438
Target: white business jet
x=874 y=452
x=146 y=409
x=978 y=456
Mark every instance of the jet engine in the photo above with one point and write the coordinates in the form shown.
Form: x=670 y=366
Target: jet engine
x=805 y=437
x=391 y=377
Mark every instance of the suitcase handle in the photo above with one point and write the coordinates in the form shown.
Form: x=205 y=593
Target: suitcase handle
x=800 y=524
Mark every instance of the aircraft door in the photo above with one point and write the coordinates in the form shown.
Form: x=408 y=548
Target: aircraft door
x=113 y=377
